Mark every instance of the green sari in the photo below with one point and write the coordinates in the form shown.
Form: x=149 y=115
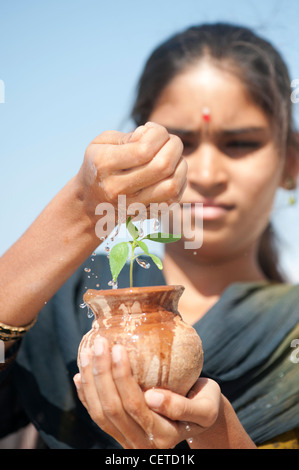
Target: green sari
x=246 y=337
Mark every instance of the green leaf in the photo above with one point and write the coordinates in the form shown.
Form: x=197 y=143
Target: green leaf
x=132 y=229
x=117 y=258
x=143 y=246
x=162 y=237
x=157 y=261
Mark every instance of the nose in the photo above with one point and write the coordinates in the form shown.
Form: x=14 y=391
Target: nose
x=207 y=170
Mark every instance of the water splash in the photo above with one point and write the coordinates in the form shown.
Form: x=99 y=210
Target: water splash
x=89 y=312
x=115 y=233
x=141 y=231
x=113 y=284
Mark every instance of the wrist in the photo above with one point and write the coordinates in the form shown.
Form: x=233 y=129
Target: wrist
x=81 y=205
x=226 y=433
x=52 y=248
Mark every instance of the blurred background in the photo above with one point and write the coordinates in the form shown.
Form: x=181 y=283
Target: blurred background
x=68 y=71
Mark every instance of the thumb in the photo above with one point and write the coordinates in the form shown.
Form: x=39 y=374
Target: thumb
x=173 y=406
x=201 y=406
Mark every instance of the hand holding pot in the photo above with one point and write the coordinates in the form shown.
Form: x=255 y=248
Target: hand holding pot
x=117 y=404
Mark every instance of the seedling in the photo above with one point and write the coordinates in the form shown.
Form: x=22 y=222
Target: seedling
x=119 y=253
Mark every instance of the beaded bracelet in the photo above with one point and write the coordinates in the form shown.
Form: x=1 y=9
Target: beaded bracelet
x=12 y=333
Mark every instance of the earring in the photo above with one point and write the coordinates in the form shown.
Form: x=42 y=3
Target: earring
x=290 y=185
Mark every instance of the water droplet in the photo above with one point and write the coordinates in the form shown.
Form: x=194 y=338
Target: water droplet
x=115 y=233
x=195 y=252
x=83 y=305
x=94 y=254
x=97 y=285
x=87 y=270
x=190 y=440
x=143 y=264
x=140 y=231
x=188 y=427
x=151 y=436
x=113 y=284
x=89 y=313
x=156 y=224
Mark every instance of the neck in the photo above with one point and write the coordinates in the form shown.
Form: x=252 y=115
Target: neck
x=209 y=277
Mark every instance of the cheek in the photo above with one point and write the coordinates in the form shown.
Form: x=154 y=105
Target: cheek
x=257 y=184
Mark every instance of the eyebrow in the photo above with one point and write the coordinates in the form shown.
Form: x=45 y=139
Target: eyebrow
x=244 y=130
x=227 y=132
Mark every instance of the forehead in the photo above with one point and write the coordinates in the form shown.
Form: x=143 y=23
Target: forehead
x=207 y=85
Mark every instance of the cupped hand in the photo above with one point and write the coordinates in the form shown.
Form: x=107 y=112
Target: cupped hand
x=154 y=419
x=146 y=166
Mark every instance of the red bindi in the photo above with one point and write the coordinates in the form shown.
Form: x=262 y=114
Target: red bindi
x=206 y=115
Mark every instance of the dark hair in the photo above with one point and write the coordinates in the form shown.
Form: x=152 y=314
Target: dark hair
x=253 y=59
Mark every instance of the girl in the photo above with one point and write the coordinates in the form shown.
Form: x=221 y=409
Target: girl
x=225 y=94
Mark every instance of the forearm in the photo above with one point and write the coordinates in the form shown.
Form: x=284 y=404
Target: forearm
x=226 y=433
x=38 y=264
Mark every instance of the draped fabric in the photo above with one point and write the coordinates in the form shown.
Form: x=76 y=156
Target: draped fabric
x=246 y=339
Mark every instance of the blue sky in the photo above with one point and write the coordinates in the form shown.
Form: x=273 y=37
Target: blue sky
x=70 y=68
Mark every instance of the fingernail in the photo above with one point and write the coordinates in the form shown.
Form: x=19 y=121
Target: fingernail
x=98 y=346
x=154 y=399
x=84 y=359
x=137 y=133
x=117 y=353
x=150 y=124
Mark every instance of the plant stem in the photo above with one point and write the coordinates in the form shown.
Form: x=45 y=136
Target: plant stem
x=133 y=245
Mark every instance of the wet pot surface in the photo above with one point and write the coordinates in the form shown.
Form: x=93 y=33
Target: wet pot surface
x=164 y=351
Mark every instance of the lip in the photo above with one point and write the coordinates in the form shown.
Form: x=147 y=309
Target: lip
x=211 y=210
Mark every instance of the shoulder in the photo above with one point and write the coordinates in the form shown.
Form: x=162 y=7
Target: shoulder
x=262 y=297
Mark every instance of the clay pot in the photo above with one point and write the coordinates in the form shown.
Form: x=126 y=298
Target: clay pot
x=164 y=351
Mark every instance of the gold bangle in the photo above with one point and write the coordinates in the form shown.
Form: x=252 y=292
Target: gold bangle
x=12 y=333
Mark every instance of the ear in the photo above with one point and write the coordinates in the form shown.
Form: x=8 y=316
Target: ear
x=291 y=165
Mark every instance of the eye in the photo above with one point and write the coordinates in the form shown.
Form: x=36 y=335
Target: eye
x=239 y=147
x=243 y=144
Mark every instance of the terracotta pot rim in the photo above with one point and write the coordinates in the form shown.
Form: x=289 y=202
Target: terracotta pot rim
x=134 y=290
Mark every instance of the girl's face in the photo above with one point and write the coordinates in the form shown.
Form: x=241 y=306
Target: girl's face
x=233 y=165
